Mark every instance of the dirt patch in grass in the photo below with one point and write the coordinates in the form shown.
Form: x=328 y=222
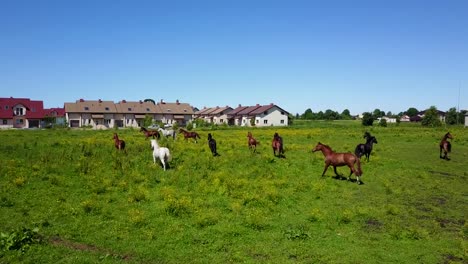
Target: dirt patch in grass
x=451 y=224
x=449 y=258
x=373 y=224
x=60 y=242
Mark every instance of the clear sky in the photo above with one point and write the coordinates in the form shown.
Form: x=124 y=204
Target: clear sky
x=356 y=55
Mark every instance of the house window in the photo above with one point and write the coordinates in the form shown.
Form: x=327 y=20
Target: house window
x=19 y=121
x=282 y=113
x=108 y=121
x=107 y=108
x=129 y=109
x=265 y=121
x=19 y=111
x=128 y=121
x=221 y=120
x=6 y=107
x=5 y=122
x=86 y=108
x=147 y=109
x=282 y=121
x=265 y=113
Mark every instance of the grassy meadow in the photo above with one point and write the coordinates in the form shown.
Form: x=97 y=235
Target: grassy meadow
x=85 y=202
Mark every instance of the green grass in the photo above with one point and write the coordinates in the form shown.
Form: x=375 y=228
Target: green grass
x=93 y=204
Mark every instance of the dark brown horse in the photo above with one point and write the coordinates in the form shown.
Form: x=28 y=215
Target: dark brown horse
x=445 y=146
x=252 y=142
x=277 y=145
x=119 y=144
x=150 y=133
x=190 y=134
x=339 y=159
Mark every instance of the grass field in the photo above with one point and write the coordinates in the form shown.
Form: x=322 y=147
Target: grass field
x=85 y=202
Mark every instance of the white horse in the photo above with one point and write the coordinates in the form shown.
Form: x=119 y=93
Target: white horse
x=162 y=153
x=167 y=132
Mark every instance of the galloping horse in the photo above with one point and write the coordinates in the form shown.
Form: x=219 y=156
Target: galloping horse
x=167 y=132
x=162 y=153
x=445 y=146
x=150 y=133
x=119 y=144
x=190 y=134
x=212 y=145
x=252 y=142
x=339 y=159
x=277 y=145
x=365 y=149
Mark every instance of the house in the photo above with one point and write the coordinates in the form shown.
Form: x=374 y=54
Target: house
x=97 y=114
x=54 y=116
x=466 y=119
x=263 y=115
x=405 y=118
x=387 y=119
x=21 y=113
x=133 y=113
x=270 y=115
x=216 y=115
x=107 y=114
x=180 y=113
x=421 y=114
x=234 y=119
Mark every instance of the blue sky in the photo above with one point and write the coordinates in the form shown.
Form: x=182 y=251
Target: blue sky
x=356 y=55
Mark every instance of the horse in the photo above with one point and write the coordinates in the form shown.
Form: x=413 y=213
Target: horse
x=212 y=145
x=339 y=159
x=365 y=149
x=277 y=145
x=150 y=133
x=167 y=132
x=119 y=144
x=190 y=134
x=163 y=153
x=445 y=146
x=252 y=142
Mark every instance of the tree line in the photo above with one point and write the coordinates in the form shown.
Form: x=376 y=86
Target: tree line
x=430 y=118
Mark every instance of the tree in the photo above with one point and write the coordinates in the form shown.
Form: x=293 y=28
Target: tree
x=149 y=100
x=345 y=114
x=367 y=119
x=377 y=113
x=451 y=117
x=308 y=114
x=148 y=121
x=389 y=114
x=412 y=112
x=431 y=117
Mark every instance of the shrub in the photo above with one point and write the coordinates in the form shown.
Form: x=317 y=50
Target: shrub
x=20 y=239
x=383 y=122
x=367 y=119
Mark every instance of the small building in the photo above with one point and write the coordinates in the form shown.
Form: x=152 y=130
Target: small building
x=180 y=113
x=54 y=116
x=133 y=113
x=270 y=115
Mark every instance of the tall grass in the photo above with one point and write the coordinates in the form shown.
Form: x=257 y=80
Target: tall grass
x=92 y=203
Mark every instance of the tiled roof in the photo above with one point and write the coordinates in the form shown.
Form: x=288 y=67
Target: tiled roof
x=34 y=109
x=90 y=106
x=137 y=107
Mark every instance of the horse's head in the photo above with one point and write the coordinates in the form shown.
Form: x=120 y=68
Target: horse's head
x=115 y=136
x=142 y=129
x=448 y=135
x=367 y=135
x=209 y=136
x=249 y=135
x=321 y=147
x=374 y=140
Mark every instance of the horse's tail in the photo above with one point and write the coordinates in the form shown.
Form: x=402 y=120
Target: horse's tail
x=359 y=170
x=167 y=155
x=358 y=151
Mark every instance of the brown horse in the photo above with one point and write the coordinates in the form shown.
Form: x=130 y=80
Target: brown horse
x=339 y=159
x=445 y=146
x=277 y=145
x=252 y=142
x=190 y=134
x=119 y=144
x=150 y=133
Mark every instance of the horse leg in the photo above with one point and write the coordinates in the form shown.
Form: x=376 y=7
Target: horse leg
x=325 y=169
x=163 y=163
x=336 y=173
x=440 y=153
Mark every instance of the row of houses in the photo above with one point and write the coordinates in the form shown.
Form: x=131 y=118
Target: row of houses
x=99 y=114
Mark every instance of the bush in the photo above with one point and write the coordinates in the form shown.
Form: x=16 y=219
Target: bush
x=367 y=119
x=383 y=122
